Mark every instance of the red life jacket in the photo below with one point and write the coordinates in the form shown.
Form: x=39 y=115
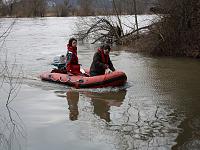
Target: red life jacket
x=103 y=56
x=72 y=65
x=74 y=59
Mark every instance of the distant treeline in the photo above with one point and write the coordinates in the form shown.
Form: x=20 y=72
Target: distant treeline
x=41 y=8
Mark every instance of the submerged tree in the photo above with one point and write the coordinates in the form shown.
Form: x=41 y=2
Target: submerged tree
x=110 y=28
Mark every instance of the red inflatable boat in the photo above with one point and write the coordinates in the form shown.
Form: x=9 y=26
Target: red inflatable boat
x=113 y=79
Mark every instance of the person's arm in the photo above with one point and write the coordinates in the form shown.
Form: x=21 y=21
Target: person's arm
x=69 y=56
x=111 y=67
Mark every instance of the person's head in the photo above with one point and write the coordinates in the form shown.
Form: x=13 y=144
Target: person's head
x=72 y=42
x=106 y=49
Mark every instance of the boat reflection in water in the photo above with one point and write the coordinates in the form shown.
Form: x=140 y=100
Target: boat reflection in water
x=73 y=98
x=101 y=102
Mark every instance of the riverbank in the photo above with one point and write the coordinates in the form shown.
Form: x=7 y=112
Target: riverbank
x=152 y=44
x=178 y=32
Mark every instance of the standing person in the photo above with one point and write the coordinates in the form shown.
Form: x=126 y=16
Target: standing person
x=101 y=61
x=72 y=58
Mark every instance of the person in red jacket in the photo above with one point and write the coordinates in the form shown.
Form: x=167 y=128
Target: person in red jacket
x=101 y=61
x=72 y=58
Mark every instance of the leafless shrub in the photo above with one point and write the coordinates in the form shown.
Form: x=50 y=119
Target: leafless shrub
x=179 y=28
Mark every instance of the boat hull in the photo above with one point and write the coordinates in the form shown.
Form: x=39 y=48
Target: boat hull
x=113 y=79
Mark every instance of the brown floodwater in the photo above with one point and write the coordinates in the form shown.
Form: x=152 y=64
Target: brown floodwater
x=158 y=108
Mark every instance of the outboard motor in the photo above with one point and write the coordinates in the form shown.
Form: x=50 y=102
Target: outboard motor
x=59 y=61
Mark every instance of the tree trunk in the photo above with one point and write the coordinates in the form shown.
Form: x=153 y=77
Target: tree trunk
x=136 y=20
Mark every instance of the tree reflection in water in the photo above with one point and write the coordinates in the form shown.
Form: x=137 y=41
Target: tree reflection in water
x=131 y=124
x=11 y=76
x=11 y=125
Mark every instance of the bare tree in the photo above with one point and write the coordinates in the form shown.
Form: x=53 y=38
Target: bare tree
x=86 y=8
x=110 y=28
x=9 y=4
x=63 y=9
x=31 y=8
x=100 y=29
x=8 y=7
x=39 y=8
x=179 y=29
x=1 y=7
x=117 y=14
x=136 y=20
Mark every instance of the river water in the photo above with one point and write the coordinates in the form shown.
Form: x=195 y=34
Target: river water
x=158 y=108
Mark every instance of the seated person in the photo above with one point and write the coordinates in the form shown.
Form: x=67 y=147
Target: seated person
x=72 y=65
x=101 y=61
